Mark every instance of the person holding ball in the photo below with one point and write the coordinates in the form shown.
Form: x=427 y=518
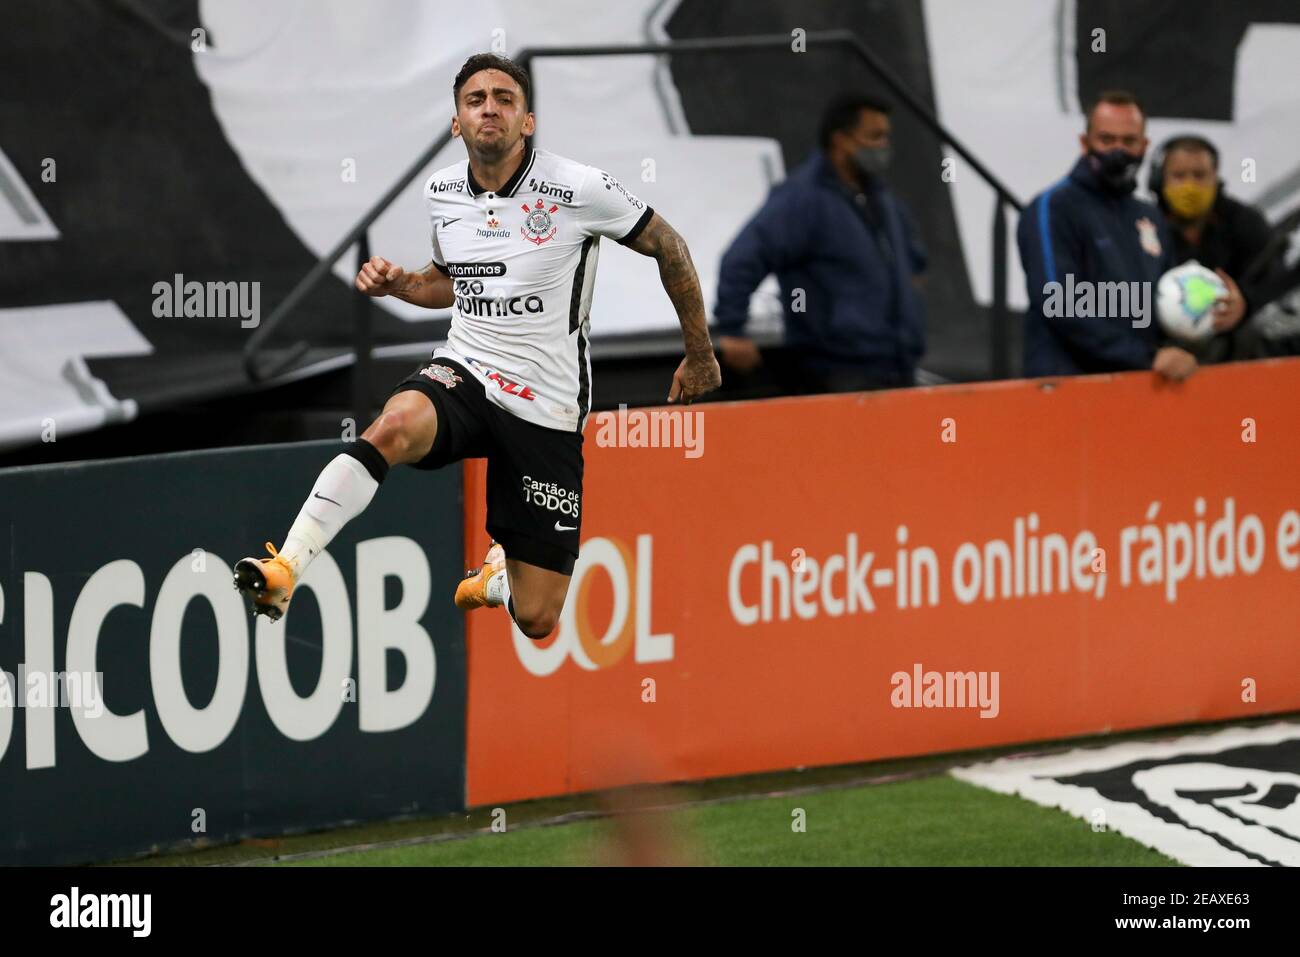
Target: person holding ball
x=1220 y=233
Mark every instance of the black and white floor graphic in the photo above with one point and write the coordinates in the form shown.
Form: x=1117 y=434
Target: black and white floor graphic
x=1224 y=798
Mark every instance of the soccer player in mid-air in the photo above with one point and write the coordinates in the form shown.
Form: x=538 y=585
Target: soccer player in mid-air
x=515 y=234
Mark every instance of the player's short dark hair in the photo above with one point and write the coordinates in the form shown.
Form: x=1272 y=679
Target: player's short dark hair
x=843 y=113
x=1190 y=143
x=491 y=61
x=1114 y=98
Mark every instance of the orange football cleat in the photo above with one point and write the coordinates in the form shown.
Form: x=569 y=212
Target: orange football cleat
x=472 y=591
x=268 y=582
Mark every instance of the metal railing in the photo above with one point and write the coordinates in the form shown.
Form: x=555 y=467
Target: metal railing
x=845 y=39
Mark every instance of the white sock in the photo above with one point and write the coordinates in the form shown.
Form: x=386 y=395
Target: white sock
x=340 y=494
x=498 y=588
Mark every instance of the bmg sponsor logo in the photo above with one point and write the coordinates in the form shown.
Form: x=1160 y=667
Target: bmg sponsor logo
x=612 y=183
x=596 y=642
x=556 y=191
x=450 y=186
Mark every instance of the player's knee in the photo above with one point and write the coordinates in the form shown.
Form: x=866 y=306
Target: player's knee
x=536 y=623
x=394 y=435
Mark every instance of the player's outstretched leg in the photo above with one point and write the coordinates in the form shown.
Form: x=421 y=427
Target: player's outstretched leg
x=534 y=596
x=403 y=432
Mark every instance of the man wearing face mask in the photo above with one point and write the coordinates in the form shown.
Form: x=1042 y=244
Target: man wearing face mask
x=1218 y=232
x=1090 y=229
x=847 y=256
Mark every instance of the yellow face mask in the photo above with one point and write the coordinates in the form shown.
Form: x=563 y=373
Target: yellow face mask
x=1190 y=200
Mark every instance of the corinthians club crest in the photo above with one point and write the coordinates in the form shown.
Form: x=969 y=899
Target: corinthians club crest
x=538 y=226
x=443 y=374
x=1148 y=236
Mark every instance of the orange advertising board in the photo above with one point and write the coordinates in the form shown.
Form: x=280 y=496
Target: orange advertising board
x=835 y=579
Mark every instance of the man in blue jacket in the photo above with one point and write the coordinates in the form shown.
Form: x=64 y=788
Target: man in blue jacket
x=845 y=252
x=1088 y=245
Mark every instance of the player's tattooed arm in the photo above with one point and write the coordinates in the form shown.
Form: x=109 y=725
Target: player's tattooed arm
x=427 y=287
x=698 y=372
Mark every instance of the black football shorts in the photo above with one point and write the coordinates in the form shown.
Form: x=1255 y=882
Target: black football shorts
x=534 y=477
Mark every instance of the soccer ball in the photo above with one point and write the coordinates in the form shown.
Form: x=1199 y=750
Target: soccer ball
x=1185 y=298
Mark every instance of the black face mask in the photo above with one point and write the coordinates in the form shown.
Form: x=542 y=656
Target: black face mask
x=1117 y=169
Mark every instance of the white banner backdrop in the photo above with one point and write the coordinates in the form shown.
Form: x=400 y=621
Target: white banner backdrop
x=327 y=103
x=1004 y=84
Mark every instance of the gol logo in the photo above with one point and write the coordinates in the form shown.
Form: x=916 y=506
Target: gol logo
x=628 y=628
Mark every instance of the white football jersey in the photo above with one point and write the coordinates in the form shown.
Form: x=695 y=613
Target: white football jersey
x=523 y=263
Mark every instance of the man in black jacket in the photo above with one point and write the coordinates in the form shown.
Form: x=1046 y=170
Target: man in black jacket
x=847 y=254
x=1086 y=240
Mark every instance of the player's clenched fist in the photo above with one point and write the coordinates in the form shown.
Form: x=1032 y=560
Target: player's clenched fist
x=696 y=375
x=379 y=277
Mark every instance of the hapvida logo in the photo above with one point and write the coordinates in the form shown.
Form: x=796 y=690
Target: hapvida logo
x=628 y=628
